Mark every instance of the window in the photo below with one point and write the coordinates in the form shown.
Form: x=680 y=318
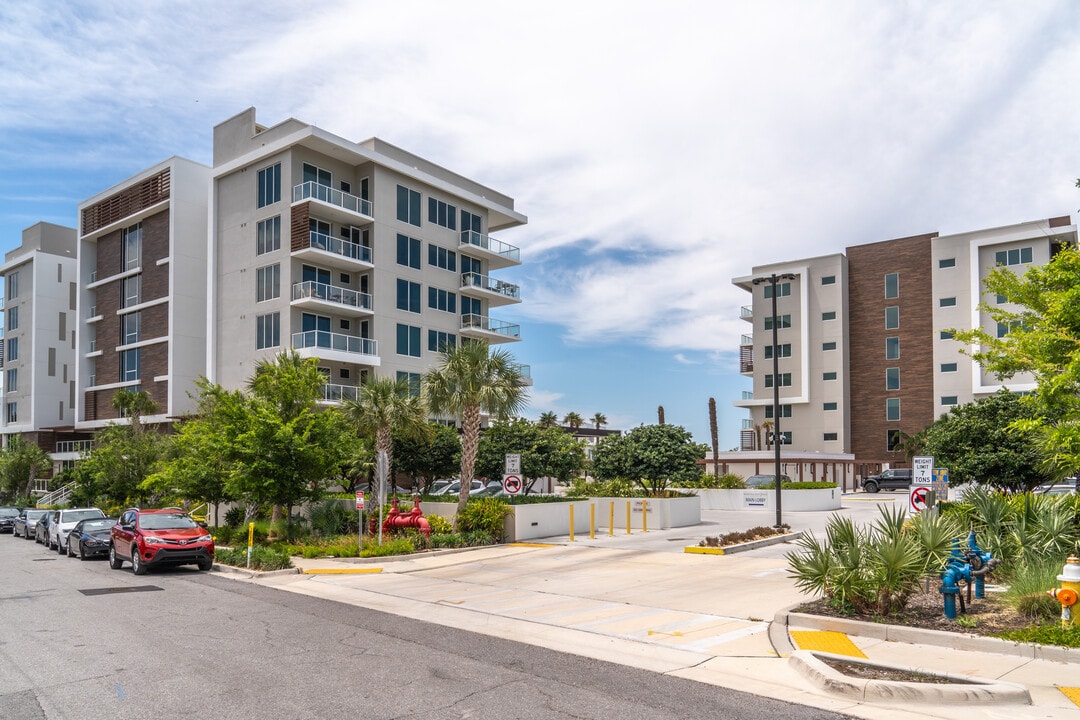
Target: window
x=11 y=382
x=949 y=400
x=12 y=318
x=828 y=280
x=785 y=380
x=12 y=281
x=1001 y=299
x=946 y=263
x=132 y=247
x=317 y=175
x=831 y=315
x=828 y=406
x=828 y=376
x=1016 y=256
x=892 y=348
x=442 y=258
x=130 y=326
x=408 y=340
x=892 y=285
x=948 y=367
x=344 y=325
x=413 y=379
x=408 y=205
x=12 y=349
x=267 y=283
x=269 y=182
x=828 y=436
x=783 y=322
x=785 y=411
x=268 y=235
x=947 y=302
x=408 y=251
x=408 y=296
x=267 y=330
x=311 y=273
x=892 y=409
x=470 y=222
x=132 y=291
x=782 y=351
x=782 y=290
x=828 y=346
x=437 y=341
x=945 y=335
x=893 y=440
x=892 y=378
x=442 y=300
x=441 y=213
x=1004 y=329
x=892 y=317
x=12 y=413
x=130 y=365
x=471 y=306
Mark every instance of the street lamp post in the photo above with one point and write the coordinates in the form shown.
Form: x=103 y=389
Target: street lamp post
x=773 y=280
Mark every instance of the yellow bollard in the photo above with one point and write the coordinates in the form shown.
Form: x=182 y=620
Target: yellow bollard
x=628 y=517
x=592 y=521
x=571 y=522
x=644 y=516
x=611 y=519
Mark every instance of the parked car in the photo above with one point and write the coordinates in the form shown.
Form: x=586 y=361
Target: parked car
x=891 y=479
x=64 y=521
x=8 y=516
x=41 y=530
x=455 y=487
x=162 y=537
x=26 y=523
x=1059 y=489
x=90 y=537
x=765 y=481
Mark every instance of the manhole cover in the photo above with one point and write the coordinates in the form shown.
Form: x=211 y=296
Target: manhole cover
x=115 y=590
x=44 y=559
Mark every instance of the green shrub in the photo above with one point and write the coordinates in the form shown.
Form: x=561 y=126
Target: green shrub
x=262 y=558
x=479 y=538
x=439 y=525
x=394 y=546
x=234 y=518
x=485 y=514
x=708 y=481
x=618 y=487
x=446 y=540
x=331 y=517
x=1048 y=634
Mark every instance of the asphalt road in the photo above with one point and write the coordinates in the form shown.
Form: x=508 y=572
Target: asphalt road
x=78 y=640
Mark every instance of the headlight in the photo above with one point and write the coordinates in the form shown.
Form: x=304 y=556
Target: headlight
x=205 y=538
x=151 y=540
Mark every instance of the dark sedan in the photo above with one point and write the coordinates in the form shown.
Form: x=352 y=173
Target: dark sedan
x=26 y=523
x=90 y=537
x=41 y=530
x=8 y=515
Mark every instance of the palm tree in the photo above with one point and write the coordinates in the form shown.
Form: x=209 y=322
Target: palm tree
x=289 y=382
x=548 y=419
x=573 y=420
x=133 y=404
x=599 y=419
x=766 y=425
x=384 y=406
x=470 y=380
x=660 y=414
x=715 y=438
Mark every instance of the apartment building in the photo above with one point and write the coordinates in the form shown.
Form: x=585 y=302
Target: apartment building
x=360 y=254
x=865 y=351
x=142 y=291
x=39 y=397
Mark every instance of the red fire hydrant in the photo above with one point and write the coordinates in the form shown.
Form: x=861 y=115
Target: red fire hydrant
x=397 y=520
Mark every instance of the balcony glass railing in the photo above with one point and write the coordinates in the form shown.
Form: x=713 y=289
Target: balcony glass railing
x=525 y=370
x=345 y=248
x=746 y=312
x=747 y=394
x=329 y=293
x=333 y=341
x=93 y=346
x=490 y=244
x=483 y=322
x=483 y=282
x=747 y=340
x=70 y=446
x=312 y=190
x=337 y=393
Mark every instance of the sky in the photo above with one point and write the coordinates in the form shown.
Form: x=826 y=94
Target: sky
x=658 y=149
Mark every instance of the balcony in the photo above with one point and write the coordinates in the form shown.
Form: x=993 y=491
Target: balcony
x=339 y=393
x=74 y=446
x=746 y=313
x=481 y=327
x=746 y=359
x=498 y=254
x=496 y=292
x=335 y=346
x=335 y=252
x=320 y=296
x=337 y=205
x=526 y=374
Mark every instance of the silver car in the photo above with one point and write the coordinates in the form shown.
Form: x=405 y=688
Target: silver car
x=26 y=523
x=65 y=520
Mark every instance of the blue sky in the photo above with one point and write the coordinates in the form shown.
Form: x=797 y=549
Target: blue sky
x=658 y=150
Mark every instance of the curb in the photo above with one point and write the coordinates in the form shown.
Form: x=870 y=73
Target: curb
x=231 y=570
x=742 y=547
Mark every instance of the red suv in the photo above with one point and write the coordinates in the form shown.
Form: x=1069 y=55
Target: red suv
x=153 y=538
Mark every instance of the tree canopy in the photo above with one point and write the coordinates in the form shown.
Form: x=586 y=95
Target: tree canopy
x=545 y=451
x=654 y=456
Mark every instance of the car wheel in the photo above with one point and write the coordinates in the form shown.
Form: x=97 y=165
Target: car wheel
x=82 y=552
x=114 y=561
x=137 y=566
x=205 y=565
x=870 y=487
x=70 y=550
x=61 y=547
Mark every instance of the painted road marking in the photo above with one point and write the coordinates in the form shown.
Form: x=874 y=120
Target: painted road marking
x=342 y=571
x=1073 y=693
x=828 y=641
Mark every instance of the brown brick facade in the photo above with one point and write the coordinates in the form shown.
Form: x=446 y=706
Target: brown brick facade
x=867 y=267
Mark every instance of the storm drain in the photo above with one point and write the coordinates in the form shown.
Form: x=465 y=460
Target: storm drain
x=125 y=589
x=43 y=559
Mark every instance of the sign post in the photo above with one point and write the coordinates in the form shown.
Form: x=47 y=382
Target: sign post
x=360 y=524
x=251 y=540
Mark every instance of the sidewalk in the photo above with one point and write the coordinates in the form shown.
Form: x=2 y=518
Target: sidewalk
x=639 y=600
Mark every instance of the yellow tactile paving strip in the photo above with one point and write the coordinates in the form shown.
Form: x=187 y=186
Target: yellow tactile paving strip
x=836 y=643
x=1073 y=693
x=343 y=571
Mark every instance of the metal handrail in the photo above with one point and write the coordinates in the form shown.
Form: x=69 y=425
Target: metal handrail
x=484 y=242
x=312 y=190
x=483 y=322
x=334 y=341
x=483 y=282
x=330 y=293
x=345 y=248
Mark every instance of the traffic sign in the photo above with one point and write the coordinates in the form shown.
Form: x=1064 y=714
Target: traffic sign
x=359 y=500
x=941 y=483
x=922 y=469
x=919 y=498
x=513 y=464
x=512 y=484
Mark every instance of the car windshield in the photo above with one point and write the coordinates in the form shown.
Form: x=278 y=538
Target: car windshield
x=9 y=512
x=76 y=515
x=103 y=524
x=165 y=521
x=35 y=514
